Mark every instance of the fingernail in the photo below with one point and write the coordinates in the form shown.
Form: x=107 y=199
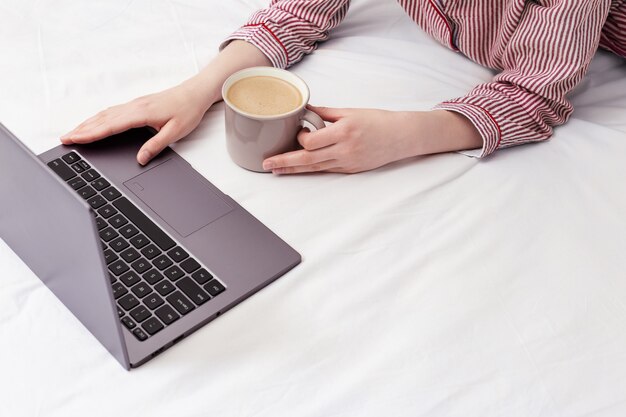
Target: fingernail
x=268 y=165
x=278 y=171
x=143 y=157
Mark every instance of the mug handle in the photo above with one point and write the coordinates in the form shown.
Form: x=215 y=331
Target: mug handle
x=313 y=119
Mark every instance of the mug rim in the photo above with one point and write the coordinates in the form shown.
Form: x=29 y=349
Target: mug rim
x=266 y=71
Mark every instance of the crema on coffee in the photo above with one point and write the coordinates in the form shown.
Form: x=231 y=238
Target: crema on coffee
x=264 y=96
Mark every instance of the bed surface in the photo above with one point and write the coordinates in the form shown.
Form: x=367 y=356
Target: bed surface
x=438 y=286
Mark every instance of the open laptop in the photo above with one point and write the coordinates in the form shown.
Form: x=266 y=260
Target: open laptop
x=141 y=255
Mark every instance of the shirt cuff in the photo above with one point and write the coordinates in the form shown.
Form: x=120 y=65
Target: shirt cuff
x=261 y=36
x=482 y=120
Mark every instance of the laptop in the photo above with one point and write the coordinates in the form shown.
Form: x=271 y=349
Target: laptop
x=142 y=255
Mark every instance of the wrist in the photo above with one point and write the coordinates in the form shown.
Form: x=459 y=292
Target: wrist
x=204 y=92
x=438 y=131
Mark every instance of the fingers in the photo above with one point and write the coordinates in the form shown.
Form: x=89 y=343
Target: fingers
x=106 y=123
x=329 y=166
x=329 y=114
x=168 y=134
x=319 y=138
x=298 y=160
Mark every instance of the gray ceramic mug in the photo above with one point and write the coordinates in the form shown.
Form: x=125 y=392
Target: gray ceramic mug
x=251 y=138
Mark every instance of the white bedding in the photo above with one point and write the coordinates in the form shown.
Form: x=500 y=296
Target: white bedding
x=439 y=286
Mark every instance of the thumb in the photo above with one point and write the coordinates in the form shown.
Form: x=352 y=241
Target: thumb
x=329 y=114
x=168 y=134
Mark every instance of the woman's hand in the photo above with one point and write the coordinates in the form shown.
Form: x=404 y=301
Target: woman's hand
x=364 y=139
x=174 y=113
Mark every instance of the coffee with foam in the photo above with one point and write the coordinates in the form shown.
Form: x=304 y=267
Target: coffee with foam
x=264 y=96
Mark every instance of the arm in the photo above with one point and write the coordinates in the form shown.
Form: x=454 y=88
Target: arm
x=361 y=139
x=174 y=112
x=547 y=56
x=289 y=29
x=279 y=35
x=545 y=59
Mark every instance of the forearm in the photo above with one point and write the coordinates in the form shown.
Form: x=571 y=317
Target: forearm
x=207 y=84
x=435 y=131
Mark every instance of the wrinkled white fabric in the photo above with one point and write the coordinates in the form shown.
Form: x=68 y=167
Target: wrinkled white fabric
x=438 y=286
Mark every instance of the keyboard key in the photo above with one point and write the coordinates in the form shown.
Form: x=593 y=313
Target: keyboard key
x=71 y=158
x=108 y=234
x=61 y=169
x=100 y=184
x=111 y=194
x=96 y=202
x=180 y=302
x=130 y=278
x=128 y=301
x=139 y=241
x=190 y=265
x=162 y=262
x=120 y=312
x=140 y=314
x=128 y=322
x=202 y=276
x=118 y=267
x=151 y=251
x=193 y=291
x=130 y=255
x=100 y=223
x=144 y=224
x=214 y=287
x=152 y=325
x=118 y=290
x=86 y=192
x=78 y=167
x=141 y=290
x=164 y=287
x=76 y=183
x=174 y=273
x=152 y=276
x=177 y=254
x=167 y=314
x=111 y=278
x=110 y=256
x=140 y=334
x=128 y=231
x=107 y=211
x=153 y=300
x=118 y=221
x=83 y=164
x=141 y=265
x=118 y=244
x=90 y=175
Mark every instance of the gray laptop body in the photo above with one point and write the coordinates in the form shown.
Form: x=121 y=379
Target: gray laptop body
x=54 y=231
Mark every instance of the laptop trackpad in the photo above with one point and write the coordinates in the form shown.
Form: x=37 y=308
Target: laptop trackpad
x=179 y=195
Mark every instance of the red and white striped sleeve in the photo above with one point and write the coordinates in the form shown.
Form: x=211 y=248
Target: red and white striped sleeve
x=548 y=54
x=289 y=29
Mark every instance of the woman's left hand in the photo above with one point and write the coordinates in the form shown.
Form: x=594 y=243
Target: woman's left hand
x=357 y=140
x=364 y=139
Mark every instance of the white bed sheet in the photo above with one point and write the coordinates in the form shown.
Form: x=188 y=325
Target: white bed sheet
x=439 y=286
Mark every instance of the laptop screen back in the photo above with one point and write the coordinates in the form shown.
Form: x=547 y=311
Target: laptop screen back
x=53 y=231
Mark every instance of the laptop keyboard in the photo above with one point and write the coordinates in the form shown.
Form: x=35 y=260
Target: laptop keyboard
x=154 y=281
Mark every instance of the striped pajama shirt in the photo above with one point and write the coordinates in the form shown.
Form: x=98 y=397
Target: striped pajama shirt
x=541 y=48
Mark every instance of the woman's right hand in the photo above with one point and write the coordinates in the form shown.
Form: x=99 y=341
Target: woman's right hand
x=174 y=113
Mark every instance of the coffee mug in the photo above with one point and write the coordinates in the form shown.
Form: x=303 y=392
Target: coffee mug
x=264 y=114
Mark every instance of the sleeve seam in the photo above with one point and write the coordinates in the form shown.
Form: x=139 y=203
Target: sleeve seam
x=287 y=60
x=493 y=119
